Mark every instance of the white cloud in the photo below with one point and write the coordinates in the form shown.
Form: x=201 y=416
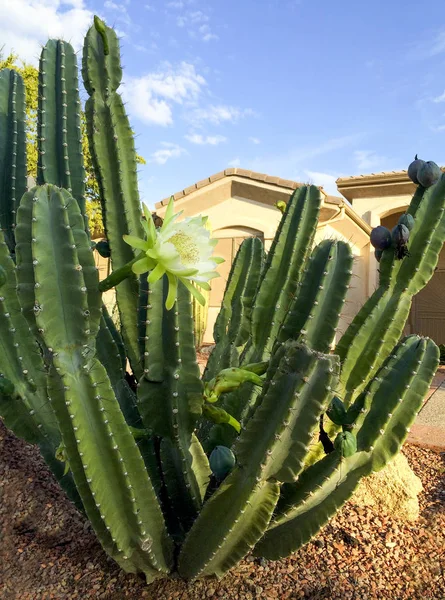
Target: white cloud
x=167 y=151
x=218 y=114
x=151 y=97
x=26 y=24
x=115 y=6
x=429 y=46
x=121 y=9
x=206 y=34
x=149 y=7
x=325 y=180
x=368 y=159
x=440 y=98
x=195 y=21
x=205 y=140
x=235 y=162
x=254 y=140
x=193 y=17
x=437 y=45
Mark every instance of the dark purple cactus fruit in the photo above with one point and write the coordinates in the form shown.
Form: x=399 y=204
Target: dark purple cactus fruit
x=378 y=254
x=381 y=238
x=428 y=174
x=103 y=248
x=413 y=169
x=407 y=220
x=400 y=237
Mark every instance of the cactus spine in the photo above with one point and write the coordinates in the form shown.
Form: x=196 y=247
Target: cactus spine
x=131 y=449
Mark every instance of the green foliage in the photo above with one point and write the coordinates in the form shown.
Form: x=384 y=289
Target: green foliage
x=123 y=417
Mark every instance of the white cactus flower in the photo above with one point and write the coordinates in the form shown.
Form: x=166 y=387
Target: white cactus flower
x=182 y=251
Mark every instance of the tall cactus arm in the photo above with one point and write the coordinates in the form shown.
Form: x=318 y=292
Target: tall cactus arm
x=108 y=352
x=13 y=171
x=116 y=337
x=232 y=325
x=312 y=318
x=170 y=395
x=20 y=358
x=426 y=241
x=57 y=268
x=276 y=289
x=379 y=324
x=376 y=334
x=26 y=411
x=307 y=505
x=314 y=313
x=295 y=395
x=288 y=412
x=186 y=473
x=416 y=200
x=395 y=396
x=60 y=159
x=114 y=467
x=111 y=461
x=282 y=270
x=393 y=406
x=114 y=160
x=235 y=518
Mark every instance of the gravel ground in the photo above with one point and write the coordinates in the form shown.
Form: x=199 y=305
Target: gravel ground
x=48 y=551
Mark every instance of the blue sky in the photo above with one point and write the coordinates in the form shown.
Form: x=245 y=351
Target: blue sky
x=308 y=90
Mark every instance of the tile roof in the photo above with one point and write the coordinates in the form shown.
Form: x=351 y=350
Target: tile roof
x=236 y=171
x=387 y=175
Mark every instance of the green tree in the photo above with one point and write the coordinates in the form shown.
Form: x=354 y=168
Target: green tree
x=30 y=76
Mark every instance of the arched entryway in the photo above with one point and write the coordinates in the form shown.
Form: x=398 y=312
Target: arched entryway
x=427 y=316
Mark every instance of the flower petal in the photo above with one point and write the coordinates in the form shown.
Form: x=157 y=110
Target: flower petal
x=194 y=292
x=170 y=209
x=156 y=274
x=151 y=229
x=172 y=291
x=136 y=242
x=202 y=284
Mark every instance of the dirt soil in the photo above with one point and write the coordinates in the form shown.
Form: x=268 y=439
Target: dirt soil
x=48 y=550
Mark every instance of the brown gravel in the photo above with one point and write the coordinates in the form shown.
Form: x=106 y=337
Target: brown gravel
x=47 y=550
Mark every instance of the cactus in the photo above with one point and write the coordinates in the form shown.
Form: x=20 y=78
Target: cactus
x=113 y=155
x=13 y=150
x=132 y=447
x=60 y=159
x=200 y=316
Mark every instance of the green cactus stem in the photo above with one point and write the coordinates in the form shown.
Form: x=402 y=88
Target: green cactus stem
x=59 y=140
x=293 y=398
x=170 y=397
x=13 y=168
x=393 y=399
x=113 y=155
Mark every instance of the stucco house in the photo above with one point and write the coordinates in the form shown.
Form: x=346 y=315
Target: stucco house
x=240 y=203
